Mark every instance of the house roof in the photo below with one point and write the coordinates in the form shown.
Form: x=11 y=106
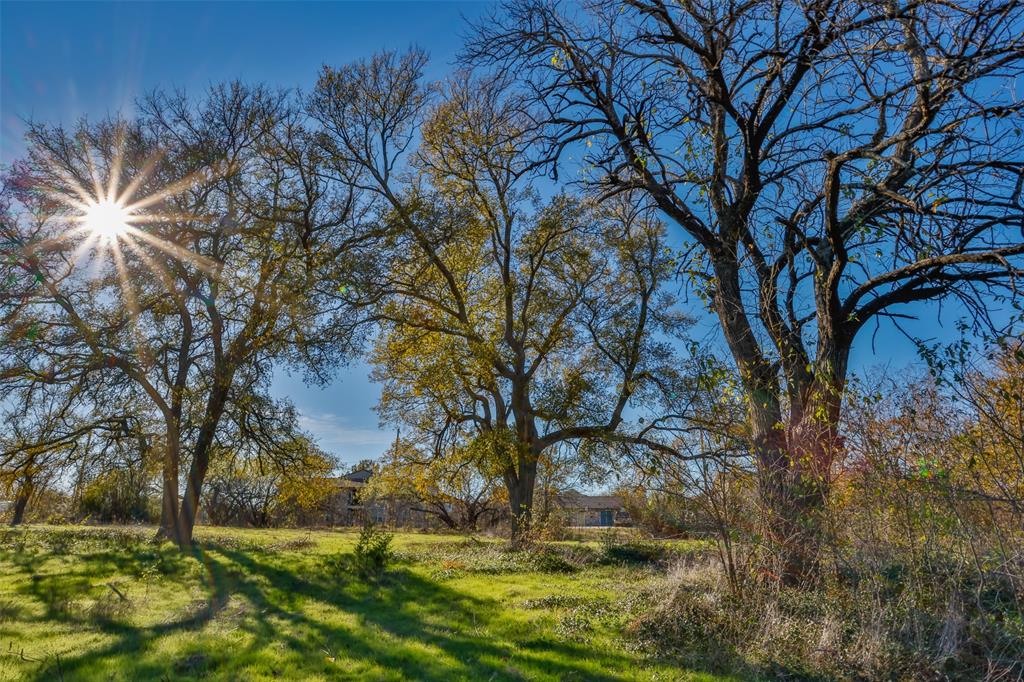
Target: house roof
x=573 y=499
x=343 y=482
x=360 y=476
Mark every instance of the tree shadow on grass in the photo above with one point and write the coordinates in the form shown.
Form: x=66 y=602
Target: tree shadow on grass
x=58 y=593
x=404 y=627
x=417 y=627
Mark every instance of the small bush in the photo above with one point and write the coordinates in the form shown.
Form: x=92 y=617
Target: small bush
x=691 y=625
x=549 y=560
x=575 y=625
x=633 y=552
x=582 y=615
x=373 y=551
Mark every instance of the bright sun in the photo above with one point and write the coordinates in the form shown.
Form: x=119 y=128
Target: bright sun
x=107 y=219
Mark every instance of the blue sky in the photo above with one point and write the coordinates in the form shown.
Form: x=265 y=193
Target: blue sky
x=62 y=61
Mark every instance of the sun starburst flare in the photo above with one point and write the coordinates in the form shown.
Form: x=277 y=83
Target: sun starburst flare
x=110 y=224
x=106 y=218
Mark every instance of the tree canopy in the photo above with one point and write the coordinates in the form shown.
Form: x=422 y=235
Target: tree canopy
x=507 y=322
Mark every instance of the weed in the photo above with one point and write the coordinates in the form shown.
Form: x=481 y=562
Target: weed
x=548 y=560
x=497 y=559
x=575 y=625
x=633 y=552
x=110 y=606
x=370 y=558
x=559 y=601
x=292 y=545
x=60 y=542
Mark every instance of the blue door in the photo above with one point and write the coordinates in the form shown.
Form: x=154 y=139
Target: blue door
x=607 y=517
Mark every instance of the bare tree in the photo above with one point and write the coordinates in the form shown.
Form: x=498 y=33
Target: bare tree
x=830 y=161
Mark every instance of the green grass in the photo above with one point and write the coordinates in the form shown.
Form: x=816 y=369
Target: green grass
x=108 y=604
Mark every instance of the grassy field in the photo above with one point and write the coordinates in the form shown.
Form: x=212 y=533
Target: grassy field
x=108 y=604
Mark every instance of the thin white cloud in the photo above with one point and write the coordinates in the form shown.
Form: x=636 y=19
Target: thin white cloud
x=337 y=435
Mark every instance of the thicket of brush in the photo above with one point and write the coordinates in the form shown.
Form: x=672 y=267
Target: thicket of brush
x=922 y=570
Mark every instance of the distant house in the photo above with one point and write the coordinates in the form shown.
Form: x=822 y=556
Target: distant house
x=346 y=507
x=349 y=507
x=593 y=510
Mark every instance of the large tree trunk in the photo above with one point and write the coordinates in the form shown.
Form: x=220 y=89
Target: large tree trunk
x=21 y=502
x=520 y=483
x=792 y=506
x=169 y=505
x=794 y=459
x=201 y=464
x=779 y=520
x=193 y=490
x=186 y=520
x=794 y=453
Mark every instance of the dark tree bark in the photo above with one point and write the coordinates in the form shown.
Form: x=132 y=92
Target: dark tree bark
x=520 y=483
x=21 y=502
x=169 y=501
x=216 y=404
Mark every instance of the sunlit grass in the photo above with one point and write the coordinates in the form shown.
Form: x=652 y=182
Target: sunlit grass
x=109 y=604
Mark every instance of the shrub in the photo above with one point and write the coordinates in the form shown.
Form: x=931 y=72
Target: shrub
x=575 y=626
x=373 y=551
x=549 y=560
x=121 y=495
x=899 y=629
x=632 y=552
x=692 y=625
